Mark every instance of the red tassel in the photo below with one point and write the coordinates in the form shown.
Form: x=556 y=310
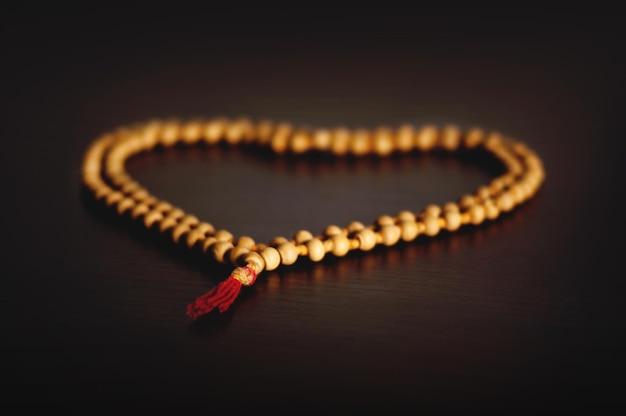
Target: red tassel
x=223 y=295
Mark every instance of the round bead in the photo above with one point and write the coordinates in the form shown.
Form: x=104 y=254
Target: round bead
x=367 y=239
x=404 y=138
x=404 y=216
x=236 y=254
x=390 y=234
x=332 y=230
x=453 y=220
x=408 y=230
x=355 y=226
x=219 y=249
x=426 y=138
x=432 y=210
x=271 y=256
x=477 y=214
x=208 y=243
x=505 y=202
x=341 y=245
x=302 y=236
x=473 y=138
x=383 y=142
x=245 y=241
x=316 y=250
x=223 y=235
x=288 y=253
x=360 y=142
x=491 y=210
x=385 y=220
x=431 y=226
x=300 y=142
x=322 y=139
x=255 y=261
x=179 y=231
x=450 y=138
x=152 y=217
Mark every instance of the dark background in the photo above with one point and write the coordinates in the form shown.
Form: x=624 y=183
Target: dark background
x=524 y=315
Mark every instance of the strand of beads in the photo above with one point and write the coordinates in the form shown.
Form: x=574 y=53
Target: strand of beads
x=105 y=175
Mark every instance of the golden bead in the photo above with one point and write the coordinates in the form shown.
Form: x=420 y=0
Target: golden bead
x=432 y=210
x=505 y=202
x=315 y=249
x=491 y=210
x=450 y=137
x=450 y=207
x=354 y=226
x=385 y=220
x=214 y=130
x=235 y=255
x=300 y=142
x=405 y=137
x=473 y=138
x=367 y=239
x=207 y=244
x=426 y=138
x=453 y=220
x=383 y=142
x=124 y=205
x=341 y=141
x=431 y=226
x=179 y=231
x=404 y=216
x=408 y=230
x=322 y=139
x=332 y=230
x=271 y=256
x=302 y=236
x=191 y=132
x=390 y=234
x=193 y=237
x=170 y=134
x=360 y=142
x=477 y=214
x=276 y=241
x=113 y=198
x=139 y=210
x=341 y=245
x=223 y=235
x=467 y=201
x=152 y=217
x=255 y=261
x=245 y=241
x=219 y=249
x=288 y=253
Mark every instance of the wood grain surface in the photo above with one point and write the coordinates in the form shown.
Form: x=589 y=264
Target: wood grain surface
x=524 y=315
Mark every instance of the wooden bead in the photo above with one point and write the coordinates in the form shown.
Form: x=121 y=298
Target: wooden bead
x=332 y=230
x=354 y=226
x=300 y=142
x=405 y=136
x=276 y=241
x=272 y=259
x=426 y=138
x=491 y=210
x=473 y=138
x=341 y=245
x=431 y=226
x=360 y=142
x=315 y=249
x=505 y=202
x=432 y=210
x=450 y=138
x=245 y=241
x=322 y=139
x=453 y=220
x=223 y=235
x=477 y=214
x=302 y=236
x=385 y=220
x=408 y=230
x=236 y=255
x=367 y=239
x=219 y=249
x=390 y=234
x=383 y=142
x=180 y=230
x=288 y=253
x=207 y=244
x=255 y=261
x=404 y=216
x=151 y=217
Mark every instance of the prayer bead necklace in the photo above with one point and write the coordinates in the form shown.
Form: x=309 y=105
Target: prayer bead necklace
x=104 y=174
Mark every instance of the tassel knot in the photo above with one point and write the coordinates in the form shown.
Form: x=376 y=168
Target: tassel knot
x=222 y=295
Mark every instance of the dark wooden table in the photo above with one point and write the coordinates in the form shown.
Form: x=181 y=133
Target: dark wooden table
x=523 y=315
